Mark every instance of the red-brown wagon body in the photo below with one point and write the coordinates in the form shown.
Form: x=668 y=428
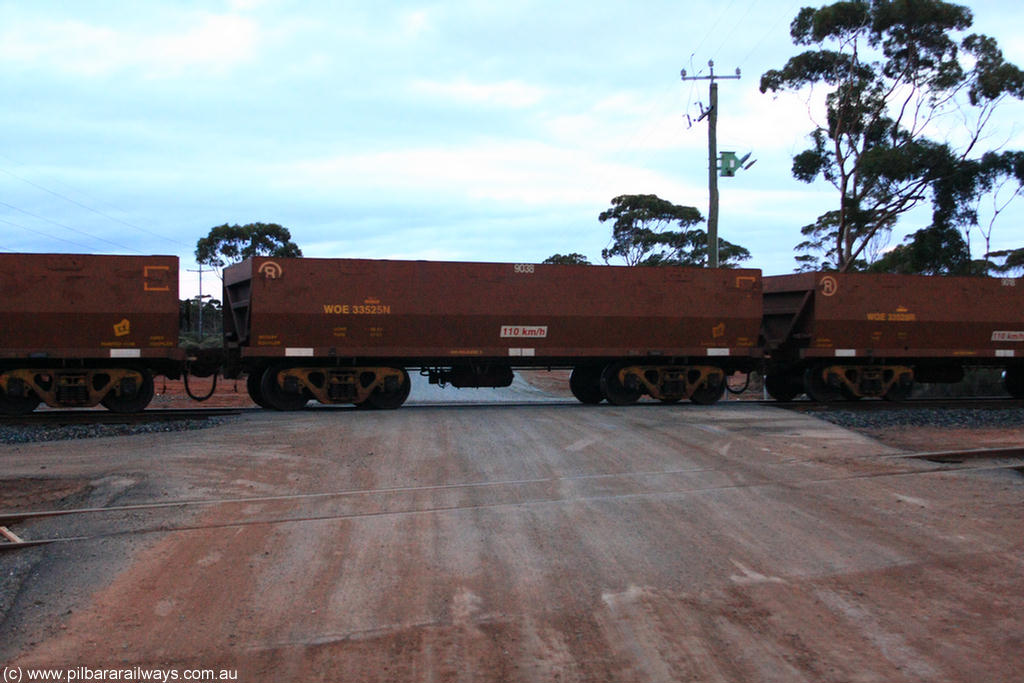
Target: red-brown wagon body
x=929 y=326
x=470 y=322
x=76 y=329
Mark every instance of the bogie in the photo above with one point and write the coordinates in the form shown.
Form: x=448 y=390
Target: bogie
x=120 y=390
x=285 y=387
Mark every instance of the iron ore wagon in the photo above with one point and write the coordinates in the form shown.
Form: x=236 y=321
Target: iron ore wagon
x=77 y=330
x=348 y=330
x=849 y=335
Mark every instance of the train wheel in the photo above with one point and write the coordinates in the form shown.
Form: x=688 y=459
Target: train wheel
x=383 y=399
x=709 y=392
x=275 y=395
x=23 y=401
x=1013 y=380
x=128 y=399
x=899 y=391
x=615 y=391
x=585 y=384
x=816 y=387
x=783 y=387
x=253 y=384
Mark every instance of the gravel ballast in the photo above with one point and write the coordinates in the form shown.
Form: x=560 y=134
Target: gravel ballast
x=953 y=418
x=14 y=434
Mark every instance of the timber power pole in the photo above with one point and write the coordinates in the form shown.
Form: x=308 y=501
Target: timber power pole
x=712 y=116
x=200 y=298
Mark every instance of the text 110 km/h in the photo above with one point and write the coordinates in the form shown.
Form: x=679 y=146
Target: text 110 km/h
x=524 y=331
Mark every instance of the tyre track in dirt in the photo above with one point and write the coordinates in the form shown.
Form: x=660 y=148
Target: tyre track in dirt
x=555 y=543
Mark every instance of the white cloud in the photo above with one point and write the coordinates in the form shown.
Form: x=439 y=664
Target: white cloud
x=414 y=23
x=514 y=171
x=513 y=94
x=210 y=42
x=765 y=122
x=216 y=41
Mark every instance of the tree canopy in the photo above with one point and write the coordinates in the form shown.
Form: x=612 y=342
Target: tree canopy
x=641 y=234
x=897 y=78
x=938 y=250
x=573 y=259
x=227 y=244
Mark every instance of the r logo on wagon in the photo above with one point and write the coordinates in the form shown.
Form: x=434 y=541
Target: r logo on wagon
x=829 y=285
x=270 y=269
x=524 y=331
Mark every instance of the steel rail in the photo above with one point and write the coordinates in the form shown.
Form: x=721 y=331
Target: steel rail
x=948 y=461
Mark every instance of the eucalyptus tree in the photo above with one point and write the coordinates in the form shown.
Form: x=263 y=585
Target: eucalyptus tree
x=642 y=234
x=909 y=97
x=227 y=244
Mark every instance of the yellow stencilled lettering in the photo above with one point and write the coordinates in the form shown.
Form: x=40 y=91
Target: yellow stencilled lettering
x=376 y=332
x=898 y=317
x=340 y=332
x=371 y=309
x=357 y=309
x=268 y=340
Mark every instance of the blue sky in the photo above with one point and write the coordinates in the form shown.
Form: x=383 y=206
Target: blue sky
x=451 y=130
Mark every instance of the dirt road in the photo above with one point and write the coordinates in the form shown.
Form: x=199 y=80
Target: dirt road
x=521 y=543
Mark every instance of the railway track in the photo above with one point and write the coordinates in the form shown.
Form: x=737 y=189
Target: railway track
x=896 y=406
x=102 y=416
x=362 y=503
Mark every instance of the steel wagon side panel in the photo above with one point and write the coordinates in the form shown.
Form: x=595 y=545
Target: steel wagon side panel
x=88 y=306
x=436 y=310
x=894 y=316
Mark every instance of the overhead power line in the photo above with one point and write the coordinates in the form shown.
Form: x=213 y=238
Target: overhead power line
x=714 y=25
x=89 y=208
x=68 y=227
x=770 y=30
x=44 y=234
x=82 y=205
